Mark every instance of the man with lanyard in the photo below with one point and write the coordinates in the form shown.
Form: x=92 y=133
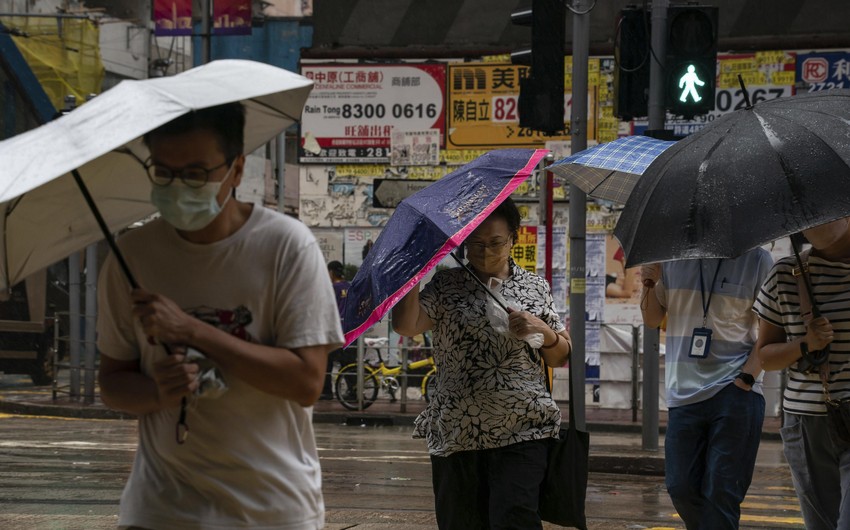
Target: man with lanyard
x=714 y=394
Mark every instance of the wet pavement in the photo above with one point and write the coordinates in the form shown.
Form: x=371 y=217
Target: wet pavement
x=611 y=454
x=375 y=476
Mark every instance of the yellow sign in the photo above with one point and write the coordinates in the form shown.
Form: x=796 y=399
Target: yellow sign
x=483 y=108
x=524 y=251
x=578 y=286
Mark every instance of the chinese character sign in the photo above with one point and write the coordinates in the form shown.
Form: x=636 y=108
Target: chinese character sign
x=524 y=251
x=172 y=17
x=483 y=108
x=824 y=71
x=354 y=109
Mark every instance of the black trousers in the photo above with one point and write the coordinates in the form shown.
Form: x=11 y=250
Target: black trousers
x=343 y=356
x=490 y=489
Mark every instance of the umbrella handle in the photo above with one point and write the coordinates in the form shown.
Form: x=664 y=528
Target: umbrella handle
x=104 y=229
x=182 y=429
x=477 y=279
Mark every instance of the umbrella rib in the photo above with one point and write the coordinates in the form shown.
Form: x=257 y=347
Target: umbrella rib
x=276 y=111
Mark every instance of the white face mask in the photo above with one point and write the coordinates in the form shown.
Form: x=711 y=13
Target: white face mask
x=186 y=208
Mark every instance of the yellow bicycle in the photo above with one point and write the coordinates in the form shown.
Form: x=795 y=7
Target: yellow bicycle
x=379 y=376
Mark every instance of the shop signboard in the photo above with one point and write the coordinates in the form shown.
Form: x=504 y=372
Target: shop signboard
x=353 y=109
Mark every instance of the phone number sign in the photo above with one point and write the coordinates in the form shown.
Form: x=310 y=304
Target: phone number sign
x=353 y=109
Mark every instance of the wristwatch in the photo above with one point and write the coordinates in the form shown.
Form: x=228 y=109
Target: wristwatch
x=746 y=378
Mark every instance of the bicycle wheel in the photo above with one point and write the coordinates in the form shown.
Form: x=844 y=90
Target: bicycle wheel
x=346 y=387
x=429 y=385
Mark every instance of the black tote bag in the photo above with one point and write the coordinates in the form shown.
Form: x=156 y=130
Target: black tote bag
x=564 y=488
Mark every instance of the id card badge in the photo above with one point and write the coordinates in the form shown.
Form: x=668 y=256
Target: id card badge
x=700 y=342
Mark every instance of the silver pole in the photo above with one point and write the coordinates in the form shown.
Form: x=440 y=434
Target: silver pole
x=90 y=354
x=280 y=168
x=657 y=114
x=578 y=212
x=74 y=322
x=361 y=351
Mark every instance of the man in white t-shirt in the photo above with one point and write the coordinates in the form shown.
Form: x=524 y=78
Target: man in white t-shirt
x=245 y=287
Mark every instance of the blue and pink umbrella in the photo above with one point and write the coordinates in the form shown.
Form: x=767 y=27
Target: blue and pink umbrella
x=426 y=227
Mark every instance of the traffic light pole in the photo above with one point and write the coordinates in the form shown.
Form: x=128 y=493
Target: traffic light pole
x=657 y=114
x=578 y=210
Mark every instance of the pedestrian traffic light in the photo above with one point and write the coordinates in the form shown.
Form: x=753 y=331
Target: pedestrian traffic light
x=541 y=93
x=691 y=60
x=631 y=68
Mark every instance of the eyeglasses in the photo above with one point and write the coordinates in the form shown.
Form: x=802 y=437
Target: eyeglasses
x=192 y=176
x=481 y=247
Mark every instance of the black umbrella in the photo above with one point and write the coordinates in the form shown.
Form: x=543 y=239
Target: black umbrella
x=753 y=176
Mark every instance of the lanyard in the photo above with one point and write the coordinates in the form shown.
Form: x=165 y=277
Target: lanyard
x=705 y=303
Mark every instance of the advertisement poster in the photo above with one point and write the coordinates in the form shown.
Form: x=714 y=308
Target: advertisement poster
x=415 y=148
x=594 y=301
x=560 y=257
x=823 y=71
x=232 y=17
x=357 y=243
x=353 y=109
x=172 y=17
x=330 y=242
x=483 y=108
x=622 y=286
x=524 y=252
x=286 y=8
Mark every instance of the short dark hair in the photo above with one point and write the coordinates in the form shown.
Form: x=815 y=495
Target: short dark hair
x=225 y=121
x=509 y=212
x=337 y=269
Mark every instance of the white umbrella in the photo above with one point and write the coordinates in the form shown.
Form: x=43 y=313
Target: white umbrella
x=43 y=215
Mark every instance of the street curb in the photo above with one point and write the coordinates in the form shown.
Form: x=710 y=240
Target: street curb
x=364 y=419
x=80 y=411
x=627 y=464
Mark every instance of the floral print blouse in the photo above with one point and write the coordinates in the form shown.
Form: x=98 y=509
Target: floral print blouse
x=490 y=392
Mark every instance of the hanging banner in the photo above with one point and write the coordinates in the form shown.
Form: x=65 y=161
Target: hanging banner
x=232 y=17
x=353 y=109
x=172 y=17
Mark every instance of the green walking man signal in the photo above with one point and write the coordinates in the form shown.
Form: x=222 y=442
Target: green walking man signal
x=691 y=60
x=689 y=83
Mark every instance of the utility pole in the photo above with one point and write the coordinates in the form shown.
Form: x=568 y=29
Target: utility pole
x=578 y=210
x=206 y=31
x=657 y=113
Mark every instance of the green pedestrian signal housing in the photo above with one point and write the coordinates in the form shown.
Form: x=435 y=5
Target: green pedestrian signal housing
x=691 y=60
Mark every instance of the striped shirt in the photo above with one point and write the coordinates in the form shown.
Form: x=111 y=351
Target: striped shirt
x=779 y=304
x=734 y=326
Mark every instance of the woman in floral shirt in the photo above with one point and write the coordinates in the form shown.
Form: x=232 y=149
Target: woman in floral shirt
x=490 y=423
